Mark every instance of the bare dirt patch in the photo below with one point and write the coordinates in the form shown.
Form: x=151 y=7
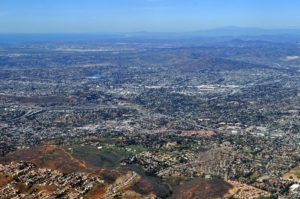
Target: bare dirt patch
x=51 y=157
x=196 y=132
x=4 y=180
x=292 y=174
x=202 y=189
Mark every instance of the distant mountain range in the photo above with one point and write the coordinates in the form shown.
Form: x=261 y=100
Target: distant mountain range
x=227 y=32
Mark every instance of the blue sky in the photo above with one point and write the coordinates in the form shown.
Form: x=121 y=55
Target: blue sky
x=48 y=16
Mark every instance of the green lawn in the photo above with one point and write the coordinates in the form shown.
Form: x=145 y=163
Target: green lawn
x=254 y=176
x=296 y=171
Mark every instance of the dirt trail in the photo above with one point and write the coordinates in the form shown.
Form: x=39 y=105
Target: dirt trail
x=81 y=163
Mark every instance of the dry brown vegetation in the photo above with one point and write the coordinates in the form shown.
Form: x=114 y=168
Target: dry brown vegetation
x=202 y=189
x=58 y=158
x=4 y=180
x=51 y=157
x=196 y=132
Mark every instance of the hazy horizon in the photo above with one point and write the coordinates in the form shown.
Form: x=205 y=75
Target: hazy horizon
x=121 y=16
x=221 y=28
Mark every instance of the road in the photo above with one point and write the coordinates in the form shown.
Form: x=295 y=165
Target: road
x=115 y=189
